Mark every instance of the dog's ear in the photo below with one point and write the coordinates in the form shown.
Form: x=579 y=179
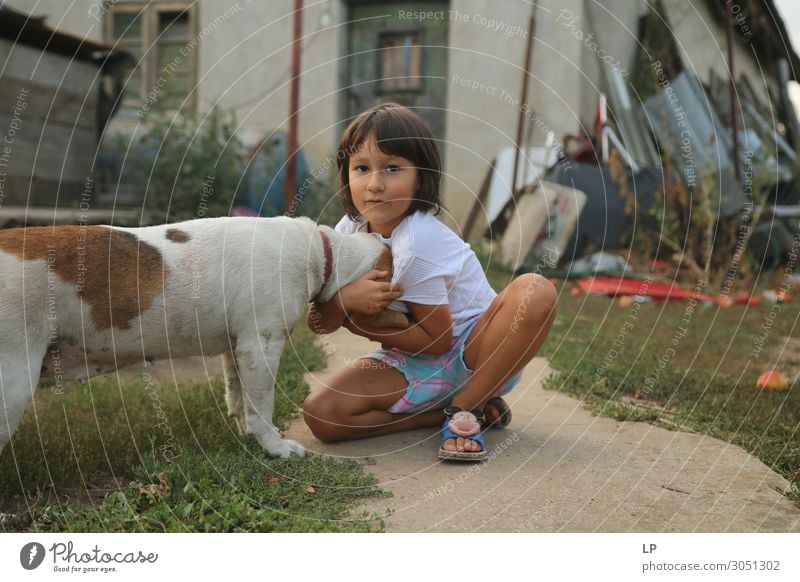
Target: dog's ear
x=385 y=263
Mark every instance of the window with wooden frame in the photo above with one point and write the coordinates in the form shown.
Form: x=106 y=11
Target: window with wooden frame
x=160 y=37
x=400 y=61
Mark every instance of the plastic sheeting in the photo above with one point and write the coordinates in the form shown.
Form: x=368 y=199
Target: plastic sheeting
x=690 y=130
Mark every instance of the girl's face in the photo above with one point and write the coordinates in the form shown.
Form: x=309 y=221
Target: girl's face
x=382 y=186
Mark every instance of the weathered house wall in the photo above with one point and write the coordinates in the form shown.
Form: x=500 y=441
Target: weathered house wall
x=243 y=61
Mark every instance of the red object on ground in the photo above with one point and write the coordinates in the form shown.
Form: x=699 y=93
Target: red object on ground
x=772 y=380
x=627 y=286
x=744 y=298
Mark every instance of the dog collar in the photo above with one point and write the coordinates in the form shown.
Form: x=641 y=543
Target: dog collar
x=326 y=247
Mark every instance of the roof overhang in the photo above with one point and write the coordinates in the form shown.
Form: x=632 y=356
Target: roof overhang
x=34 y=32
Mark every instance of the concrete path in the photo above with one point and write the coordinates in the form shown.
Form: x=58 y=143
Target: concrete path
x=558 y=468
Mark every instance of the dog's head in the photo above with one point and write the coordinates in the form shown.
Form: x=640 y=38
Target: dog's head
x=353 y=256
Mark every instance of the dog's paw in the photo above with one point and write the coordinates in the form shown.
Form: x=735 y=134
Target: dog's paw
x=285 y=448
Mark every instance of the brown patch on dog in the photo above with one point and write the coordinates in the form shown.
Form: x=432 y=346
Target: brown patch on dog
x=177 y=235
x=384 y=263
x=112 y=270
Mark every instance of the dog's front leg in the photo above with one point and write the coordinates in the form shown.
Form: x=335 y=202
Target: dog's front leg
x=19 y=376
x=233 y=392
x=257 y=359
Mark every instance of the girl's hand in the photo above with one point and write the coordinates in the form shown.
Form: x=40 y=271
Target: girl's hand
x=368 y=295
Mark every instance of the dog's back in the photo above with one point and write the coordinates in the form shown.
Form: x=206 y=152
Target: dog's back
x=77 y=301
x=95 y=297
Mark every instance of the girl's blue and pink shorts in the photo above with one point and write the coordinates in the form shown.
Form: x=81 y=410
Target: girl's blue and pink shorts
x=433 y=381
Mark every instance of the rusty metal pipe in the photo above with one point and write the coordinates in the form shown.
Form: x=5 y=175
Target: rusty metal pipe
x=294 y=101
x=523 y=99
x=734 y=108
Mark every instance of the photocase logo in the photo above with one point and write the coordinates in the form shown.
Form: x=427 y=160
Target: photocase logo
x=31 y=555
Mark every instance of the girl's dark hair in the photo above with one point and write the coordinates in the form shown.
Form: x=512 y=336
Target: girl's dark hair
x=398 y=131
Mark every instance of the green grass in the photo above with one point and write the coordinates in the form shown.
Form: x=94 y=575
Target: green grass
x=121 y=457
x=620 y=411
x=707 y=384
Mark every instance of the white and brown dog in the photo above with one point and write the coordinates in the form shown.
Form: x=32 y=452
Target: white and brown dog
x=78 y=301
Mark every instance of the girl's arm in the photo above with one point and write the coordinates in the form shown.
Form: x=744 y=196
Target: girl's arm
x=432 y=332
x=366 y=295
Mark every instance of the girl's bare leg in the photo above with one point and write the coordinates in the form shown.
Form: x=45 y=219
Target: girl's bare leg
x=503 y=341
x=354 y=405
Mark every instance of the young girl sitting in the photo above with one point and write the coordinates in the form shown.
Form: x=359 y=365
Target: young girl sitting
x=465 y=346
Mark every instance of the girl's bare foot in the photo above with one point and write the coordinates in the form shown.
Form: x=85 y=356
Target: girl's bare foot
x=493 y=410
x=462 y=445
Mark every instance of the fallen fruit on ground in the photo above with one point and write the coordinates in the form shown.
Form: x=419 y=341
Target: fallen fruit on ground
x=772 y=380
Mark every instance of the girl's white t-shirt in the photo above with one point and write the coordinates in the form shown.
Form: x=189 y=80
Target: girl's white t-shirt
x=434 y=267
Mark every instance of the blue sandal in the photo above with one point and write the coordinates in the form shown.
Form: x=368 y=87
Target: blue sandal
x=464 y=424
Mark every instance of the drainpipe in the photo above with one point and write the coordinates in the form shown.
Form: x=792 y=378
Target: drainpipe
x=523 y=108
x=294 y=98
x=734 y=108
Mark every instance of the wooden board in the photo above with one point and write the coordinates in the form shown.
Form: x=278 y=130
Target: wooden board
x=48 y=69
x=55 y=105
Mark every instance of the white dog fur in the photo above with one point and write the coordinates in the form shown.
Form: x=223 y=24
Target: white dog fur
x=80 y=301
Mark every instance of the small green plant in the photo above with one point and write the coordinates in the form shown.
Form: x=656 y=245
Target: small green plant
x=184 y=166
x=686 y=223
